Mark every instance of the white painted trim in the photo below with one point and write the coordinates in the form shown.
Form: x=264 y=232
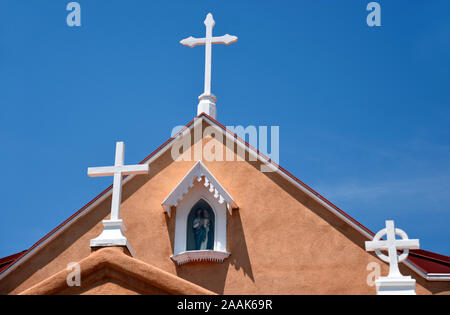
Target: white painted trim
x=199 y=172
x=438 y=277
x=197 y=193
x=392 y=286
x=199 y=120
x=112 y=235
x=200 y=255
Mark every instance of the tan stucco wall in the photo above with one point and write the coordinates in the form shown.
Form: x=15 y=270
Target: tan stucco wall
x=107 y=269
x=282 y=242
x=106 y=286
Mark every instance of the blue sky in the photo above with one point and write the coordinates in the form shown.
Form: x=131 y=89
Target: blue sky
x=364 y=113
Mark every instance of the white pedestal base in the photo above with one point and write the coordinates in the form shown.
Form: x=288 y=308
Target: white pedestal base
x=207 y=105
x=396 y=286
x=112 y=235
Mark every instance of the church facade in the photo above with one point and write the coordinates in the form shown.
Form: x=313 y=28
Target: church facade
x=206 y=213
x=268 y=233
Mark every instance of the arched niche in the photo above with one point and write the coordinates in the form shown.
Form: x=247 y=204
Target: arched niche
x=185 y=251
x=199 y=189
x=200 y=227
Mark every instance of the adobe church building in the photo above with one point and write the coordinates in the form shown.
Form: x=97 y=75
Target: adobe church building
x=206 y=213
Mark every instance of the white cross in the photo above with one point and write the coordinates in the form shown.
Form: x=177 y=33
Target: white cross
x=392 y=245
x=208 y=41
x=118 y=171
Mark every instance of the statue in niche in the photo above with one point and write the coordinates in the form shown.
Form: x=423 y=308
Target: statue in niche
x=202 y=226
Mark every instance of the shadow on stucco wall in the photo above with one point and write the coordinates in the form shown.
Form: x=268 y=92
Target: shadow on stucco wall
x=210 y=275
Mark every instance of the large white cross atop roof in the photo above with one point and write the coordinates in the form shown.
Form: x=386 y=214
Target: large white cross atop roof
x=207 y=99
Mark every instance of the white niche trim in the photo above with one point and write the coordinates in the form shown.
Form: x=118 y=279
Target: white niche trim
x=199 y=184
x=200 y=173
x=200 y=255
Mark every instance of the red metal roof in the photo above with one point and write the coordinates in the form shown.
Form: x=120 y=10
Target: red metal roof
x=7 y=261
x=428 y=262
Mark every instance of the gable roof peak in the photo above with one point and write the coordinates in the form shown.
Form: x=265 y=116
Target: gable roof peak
x=199 y=172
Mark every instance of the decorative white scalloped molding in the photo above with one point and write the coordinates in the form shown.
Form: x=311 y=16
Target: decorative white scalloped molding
x=200 y=255
x=198 y=172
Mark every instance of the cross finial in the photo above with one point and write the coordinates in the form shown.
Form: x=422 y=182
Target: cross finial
x=209 y=21
x=207 y=99
x=112 y=234
x=392 y=245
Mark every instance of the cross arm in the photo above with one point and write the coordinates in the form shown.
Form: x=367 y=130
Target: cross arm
x=140 y=169
x=374 y=245
x=101 y=171
x=124 y=170
x=399 y=244
x=410 y=244
x=225 y=39
x=192 y=41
